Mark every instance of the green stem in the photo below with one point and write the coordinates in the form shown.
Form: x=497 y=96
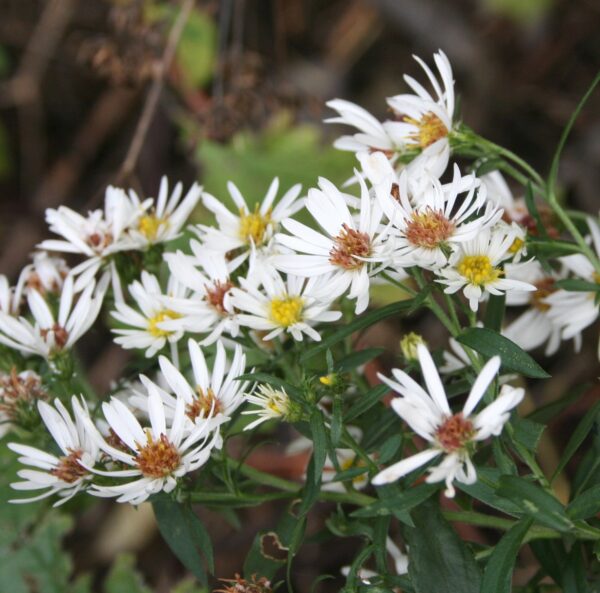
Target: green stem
x=552 y=179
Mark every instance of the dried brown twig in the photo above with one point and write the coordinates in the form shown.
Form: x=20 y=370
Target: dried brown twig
x=151 y=103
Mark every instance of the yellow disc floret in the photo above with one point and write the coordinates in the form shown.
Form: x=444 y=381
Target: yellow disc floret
x=149 y=225
x=287 y=311
x=478 y=269
x=163 y=315
x=431 y=129
x=253 y=226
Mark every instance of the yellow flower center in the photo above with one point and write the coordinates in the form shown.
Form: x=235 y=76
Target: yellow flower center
x=149 y=225
x=287 y=311
x=253 y=226
x=428 y=229
x=163 y=315
x=157 y=459
x=596 y=277
x=516 y=246
x=431 y=129
x=478 y=269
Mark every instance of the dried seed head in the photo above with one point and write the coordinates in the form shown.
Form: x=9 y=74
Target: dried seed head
x=157 y=459
x=216 y=295
x=69 y=469
x=455 y=433
x=429 y=229
x=206 y=404
x=350 y=245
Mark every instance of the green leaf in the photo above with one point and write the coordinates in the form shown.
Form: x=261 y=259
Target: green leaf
x=439 y=560
x=123 y=577
x=535 y=502
x=497 y=575
x=577 y=437
x=336 y=422
x=494 y=312
x=551 y=248
x=405 y=501
x=365 y=321
x=314 y=471
x=489 y=343
x=390 y=447
x=576 y=285
x=366 y=402
x=269 y=550
x=185 y=534
x=484 y=490
x=527 y=433
x=574 y=576
x=586 y=505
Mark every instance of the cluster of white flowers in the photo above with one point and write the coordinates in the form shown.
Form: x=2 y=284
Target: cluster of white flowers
x=180 y=427
x=260 y=275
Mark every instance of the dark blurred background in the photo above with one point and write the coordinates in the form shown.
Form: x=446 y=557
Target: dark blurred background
x=243 y=98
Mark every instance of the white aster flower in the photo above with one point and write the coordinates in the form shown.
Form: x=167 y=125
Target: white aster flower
x=50 y=335
x=347 y=249
x=150 y=328
x=65 y=475
x=208 y=274
x=425 y=120
x=292 y=306
x=19 y=395
x=443 y=217
x=158 y=455
x=475 y=267
x=452 y=435
x=535 y=326
x=97 y=237
x=44 y=274
x=248 y=228
x=573 y=311
x=209 y=393
x=162 y=221
x=270 y=404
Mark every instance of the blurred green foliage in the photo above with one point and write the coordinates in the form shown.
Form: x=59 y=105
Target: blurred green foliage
x=294 y=153
x=521 y=11
x=197 y=48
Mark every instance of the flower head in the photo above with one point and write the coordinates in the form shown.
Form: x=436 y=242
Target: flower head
x=162 y=220
x=149 y=327
x=453 y=435
x=345 y=249
x=270 y=403
x=476 y=268
x=68 y=473
x=156 y=455
x=50 y=334
x=251 y=227
x=280 y=306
